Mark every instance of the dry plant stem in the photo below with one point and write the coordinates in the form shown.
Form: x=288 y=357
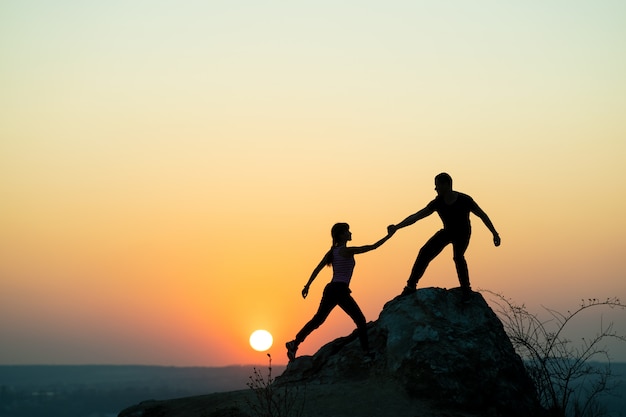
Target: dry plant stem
x=271 y=401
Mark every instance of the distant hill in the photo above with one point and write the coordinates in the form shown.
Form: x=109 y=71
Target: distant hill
x=614 y=400
x=103 y=390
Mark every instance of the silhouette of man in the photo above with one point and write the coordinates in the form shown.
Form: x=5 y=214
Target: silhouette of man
x=454 y=209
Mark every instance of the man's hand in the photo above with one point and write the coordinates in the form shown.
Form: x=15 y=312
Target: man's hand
x=496 y=239
x=391 y=229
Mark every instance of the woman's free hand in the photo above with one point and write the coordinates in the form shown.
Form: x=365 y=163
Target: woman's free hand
x=305 y=291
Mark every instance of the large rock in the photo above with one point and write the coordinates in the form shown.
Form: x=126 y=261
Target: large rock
x=436 y=347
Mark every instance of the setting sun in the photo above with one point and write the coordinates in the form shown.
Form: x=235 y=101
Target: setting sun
x=261 y=340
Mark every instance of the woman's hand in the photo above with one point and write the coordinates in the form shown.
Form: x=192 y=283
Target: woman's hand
x=305 y=291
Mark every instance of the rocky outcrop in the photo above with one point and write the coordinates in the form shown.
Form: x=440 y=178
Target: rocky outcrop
x=436 y=347
x=436 y=355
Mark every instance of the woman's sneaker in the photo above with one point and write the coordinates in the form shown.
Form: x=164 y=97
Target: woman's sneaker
x=292 y=348
x=369 y=357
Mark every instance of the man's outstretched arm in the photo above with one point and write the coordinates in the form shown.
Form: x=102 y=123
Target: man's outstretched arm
x=425 y=212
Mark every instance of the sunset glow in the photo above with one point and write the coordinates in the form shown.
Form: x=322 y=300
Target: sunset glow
x=170 y=171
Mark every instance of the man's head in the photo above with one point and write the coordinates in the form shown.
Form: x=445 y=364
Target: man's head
x=443 y=183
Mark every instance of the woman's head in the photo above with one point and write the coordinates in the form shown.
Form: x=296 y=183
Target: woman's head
x=339 y=231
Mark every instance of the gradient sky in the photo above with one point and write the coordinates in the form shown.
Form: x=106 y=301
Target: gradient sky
x=170 y=170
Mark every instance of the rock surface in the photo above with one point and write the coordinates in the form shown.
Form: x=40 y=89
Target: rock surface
x=436 y=356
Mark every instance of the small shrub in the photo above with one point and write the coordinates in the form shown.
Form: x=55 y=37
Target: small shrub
x=272 y=401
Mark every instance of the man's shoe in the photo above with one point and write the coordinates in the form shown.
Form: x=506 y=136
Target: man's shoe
x=407 y=291
x=292 y=348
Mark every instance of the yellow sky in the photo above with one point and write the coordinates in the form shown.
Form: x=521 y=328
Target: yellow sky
x=170 y=170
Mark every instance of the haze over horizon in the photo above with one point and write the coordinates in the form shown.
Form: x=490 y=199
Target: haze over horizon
x=170 y=171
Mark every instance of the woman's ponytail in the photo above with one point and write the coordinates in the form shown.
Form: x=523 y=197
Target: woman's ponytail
x=338 y=230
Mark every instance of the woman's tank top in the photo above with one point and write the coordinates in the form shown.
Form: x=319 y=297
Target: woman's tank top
x=342 y=267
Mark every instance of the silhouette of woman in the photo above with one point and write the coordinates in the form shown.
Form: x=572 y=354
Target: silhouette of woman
x=337 y=291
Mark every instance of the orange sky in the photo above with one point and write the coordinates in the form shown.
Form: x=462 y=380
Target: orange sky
x=170 y=173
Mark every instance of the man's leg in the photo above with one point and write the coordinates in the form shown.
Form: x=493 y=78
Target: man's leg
x=459 y=246
x=427 y=253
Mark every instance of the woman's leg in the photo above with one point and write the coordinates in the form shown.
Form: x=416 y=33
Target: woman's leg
x=349 y=305
x=329 y=301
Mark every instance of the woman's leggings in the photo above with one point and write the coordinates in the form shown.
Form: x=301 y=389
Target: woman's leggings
x=337 y=294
